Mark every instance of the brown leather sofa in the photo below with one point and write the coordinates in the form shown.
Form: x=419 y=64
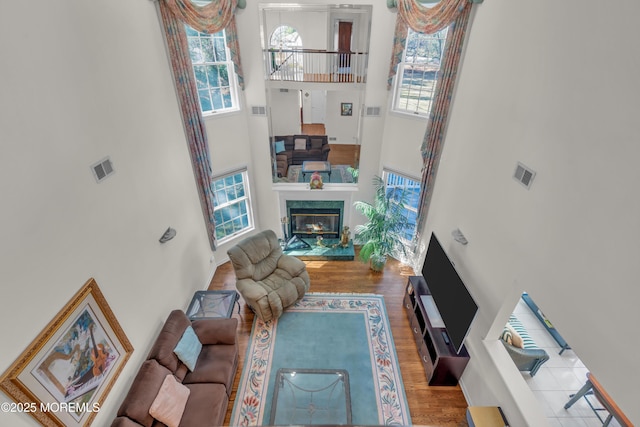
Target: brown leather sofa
x=299 y=148
x=210 y=382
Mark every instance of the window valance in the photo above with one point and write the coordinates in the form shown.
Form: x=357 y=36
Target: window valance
x=209 y=18
x=429 y=20
x=422 y=19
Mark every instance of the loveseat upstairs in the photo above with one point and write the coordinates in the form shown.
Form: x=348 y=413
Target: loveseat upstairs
x=206 y=386
x=300 y=148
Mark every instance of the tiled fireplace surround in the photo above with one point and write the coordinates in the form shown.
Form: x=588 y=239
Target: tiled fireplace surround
x=320 y=199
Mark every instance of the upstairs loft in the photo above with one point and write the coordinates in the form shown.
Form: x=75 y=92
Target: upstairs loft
x=316 y=43
x=315 y=65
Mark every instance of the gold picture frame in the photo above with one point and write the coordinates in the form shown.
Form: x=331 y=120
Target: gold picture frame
x=65 y=374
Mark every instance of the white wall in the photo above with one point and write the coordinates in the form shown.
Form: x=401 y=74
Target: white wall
x=80 y=81
x=403 y=137
x=553 y=85
x=285 y=112
x=343 y=128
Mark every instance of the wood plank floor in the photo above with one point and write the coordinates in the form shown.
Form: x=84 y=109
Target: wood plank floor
x=344 y=154
x=429 y=406
x=313 y=129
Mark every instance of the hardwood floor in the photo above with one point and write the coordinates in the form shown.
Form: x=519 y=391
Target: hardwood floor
x=313 y=129
x=429 y=406
x=344 y=154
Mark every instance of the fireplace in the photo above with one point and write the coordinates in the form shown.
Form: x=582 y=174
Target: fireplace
x=312 y=218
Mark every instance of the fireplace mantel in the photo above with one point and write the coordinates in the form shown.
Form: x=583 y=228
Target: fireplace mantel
x=346 y=197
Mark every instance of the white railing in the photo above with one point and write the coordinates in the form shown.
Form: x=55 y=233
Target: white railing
x=309 y=65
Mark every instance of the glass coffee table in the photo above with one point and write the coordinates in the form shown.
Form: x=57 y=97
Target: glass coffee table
x=311 y=397
x=311 y=166
x=212 y=304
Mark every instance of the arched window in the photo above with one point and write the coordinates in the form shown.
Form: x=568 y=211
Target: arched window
x=285 y=37
x=285 y=50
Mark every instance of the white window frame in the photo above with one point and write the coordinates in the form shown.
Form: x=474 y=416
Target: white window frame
x=231 y=74
x=400 y=104
x=403 y=176
x=246 y=199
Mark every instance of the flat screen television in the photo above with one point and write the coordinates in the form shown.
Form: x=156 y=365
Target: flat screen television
x=454 y=302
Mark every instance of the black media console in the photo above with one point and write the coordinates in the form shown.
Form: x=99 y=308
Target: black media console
x=441 y=363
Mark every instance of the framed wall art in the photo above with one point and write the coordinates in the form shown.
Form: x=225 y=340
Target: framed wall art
x=65 y=374
x=346 y=108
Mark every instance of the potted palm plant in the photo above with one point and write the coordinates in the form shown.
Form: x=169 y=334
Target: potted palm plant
x=382 y=235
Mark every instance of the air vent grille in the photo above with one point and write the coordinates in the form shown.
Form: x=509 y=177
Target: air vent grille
x=524 y=175
x=259 y=110
x=102 y=169
x=372 y=112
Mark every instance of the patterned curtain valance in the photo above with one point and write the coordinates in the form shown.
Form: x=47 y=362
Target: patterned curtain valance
x=209 y=18
x=429 y=20
x=422 y=19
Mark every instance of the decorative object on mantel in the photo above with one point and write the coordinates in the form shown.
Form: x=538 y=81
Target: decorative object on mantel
x=382 y=235
x=75 y=360
x=285 y=226
x=344 y=236
x=316 y=181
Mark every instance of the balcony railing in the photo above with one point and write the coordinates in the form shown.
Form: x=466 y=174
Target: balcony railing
x=310 y=65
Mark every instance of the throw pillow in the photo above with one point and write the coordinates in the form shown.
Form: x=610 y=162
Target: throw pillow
x=300 y=144
x=506 y=336
x=169 y=404
x=188 y=348
x=316 y=143
x=516 y=339
x=279 y=147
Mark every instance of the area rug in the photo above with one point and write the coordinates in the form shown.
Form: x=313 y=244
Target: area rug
x=326 y=331
x=339 y=173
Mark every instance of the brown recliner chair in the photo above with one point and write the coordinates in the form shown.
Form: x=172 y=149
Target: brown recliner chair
x=268 y=280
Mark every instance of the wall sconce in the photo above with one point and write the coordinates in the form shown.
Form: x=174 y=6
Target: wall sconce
x=459 y=237
x=168 y=235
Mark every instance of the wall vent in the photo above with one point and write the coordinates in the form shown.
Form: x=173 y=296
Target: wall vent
x=258 y=110
x=102 y=169
x=372 y=112
x=284 y=90
x=524 y=175
x=333 y=138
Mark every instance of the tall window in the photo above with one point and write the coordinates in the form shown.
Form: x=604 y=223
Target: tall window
x=214 y=71
x=232 y=205
x=403 y=188
x=418 y=72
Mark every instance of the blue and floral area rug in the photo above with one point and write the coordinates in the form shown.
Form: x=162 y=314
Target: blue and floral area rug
x=326 y=331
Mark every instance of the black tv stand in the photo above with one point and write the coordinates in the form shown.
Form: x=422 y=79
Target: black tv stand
x=441 y=363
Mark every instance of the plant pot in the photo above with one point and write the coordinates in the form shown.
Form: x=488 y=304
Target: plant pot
x=377 y=262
